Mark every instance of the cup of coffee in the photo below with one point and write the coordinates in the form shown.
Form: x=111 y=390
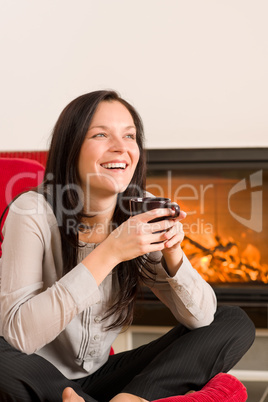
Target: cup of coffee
x=140 y=205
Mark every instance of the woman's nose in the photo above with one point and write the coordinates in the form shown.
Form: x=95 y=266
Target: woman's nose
x=118 y=145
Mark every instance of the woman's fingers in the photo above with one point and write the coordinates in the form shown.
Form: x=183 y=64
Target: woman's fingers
x=176 y=228
x=142 y=227
x=177 y=238
x=182 y=215
x=137 y=236
x=161 y=225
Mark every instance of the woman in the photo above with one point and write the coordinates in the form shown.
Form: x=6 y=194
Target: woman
x=72 y=262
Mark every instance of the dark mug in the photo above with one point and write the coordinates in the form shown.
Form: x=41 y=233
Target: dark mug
x=140 y=205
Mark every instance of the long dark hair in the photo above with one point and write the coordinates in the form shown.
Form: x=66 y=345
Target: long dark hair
x=61 y=173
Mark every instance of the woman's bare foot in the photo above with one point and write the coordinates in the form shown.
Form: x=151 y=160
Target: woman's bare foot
x=69 y=395
x=127 y=398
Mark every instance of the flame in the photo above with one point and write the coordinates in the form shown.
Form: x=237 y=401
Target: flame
x=224 y=262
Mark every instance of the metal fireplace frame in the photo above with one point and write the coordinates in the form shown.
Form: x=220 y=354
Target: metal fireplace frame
x=207 y=157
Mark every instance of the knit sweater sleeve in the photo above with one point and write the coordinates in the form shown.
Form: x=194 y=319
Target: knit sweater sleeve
x=188 y=296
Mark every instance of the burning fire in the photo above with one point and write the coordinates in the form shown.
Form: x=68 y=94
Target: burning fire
x=222 y=261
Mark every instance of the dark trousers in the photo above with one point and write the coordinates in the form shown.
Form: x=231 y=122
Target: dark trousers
x=175 y=363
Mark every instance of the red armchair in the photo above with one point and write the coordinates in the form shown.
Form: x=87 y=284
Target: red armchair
x=17 y=175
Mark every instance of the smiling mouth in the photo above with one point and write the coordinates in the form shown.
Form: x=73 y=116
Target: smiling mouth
x=121 y=166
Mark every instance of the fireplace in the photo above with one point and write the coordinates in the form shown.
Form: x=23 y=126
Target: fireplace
x=225 y=195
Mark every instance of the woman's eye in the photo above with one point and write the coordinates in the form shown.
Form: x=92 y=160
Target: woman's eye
x=132 y=136
x=99 y=135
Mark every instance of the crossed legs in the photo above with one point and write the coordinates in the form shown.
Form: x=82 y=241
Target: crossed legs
x=175 y=363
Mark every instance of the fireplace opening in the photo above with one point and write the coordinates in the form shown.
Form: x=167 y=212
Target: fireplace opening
x=225 y=195
x=225 y=229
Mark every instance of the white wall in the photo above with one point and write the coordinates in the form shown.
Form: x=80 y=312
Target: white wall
x=197 y=70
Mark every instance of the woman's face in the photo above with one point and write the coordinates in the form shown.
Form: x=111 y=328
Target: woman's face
x=109 y=153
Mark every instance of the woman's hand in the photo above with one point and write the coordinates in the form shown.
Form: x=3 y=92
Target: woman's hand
x=172 y=251
x=176 y=235
x=137 y=236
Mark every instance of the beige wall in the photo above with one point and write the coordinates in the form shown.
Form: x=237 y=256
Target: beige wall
x=196 y=70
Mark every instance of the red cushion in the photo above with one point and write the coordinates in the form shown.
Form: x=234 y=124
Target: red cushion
x=17 y=175
x=222 y=387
